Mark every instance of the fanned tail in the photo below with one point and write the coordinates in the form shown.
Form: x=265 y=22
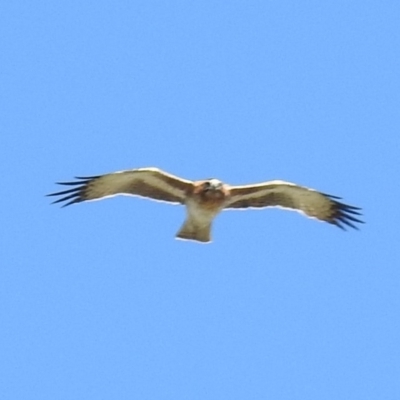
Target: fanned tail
x=190 y=231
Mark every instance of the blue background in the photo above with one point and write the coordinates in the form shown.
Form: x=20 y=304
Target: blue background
x=98 y=300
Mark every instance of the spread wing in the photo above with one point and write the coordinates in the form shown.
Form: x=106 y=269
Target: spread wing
x=145 y=182
x=288 y=195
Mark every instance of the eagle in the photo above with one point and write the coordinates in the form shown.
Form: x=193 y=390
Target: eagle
x=205 y=199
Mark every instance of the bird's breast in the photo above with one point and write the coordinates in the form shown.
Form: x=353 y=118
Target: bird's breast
x=204 y=209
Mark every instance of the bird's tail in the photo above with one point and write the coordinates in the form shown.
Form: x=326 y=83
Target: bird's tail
x=191 y=231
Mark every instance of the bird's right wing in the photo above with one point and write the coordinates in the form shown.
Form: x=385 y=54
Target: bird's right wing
x=144 y=182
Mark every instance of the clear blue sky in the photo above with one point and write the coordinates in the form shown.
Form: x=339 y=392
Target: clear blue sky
x=99 y=301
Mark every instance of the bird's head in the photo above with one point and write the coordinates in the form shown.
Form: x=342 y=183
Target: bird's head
x=211 y=190
x=212 y=185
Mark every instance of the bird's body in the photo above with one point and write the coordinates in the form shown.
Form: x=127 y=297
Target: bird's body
x=205 y=199
x=202 y=206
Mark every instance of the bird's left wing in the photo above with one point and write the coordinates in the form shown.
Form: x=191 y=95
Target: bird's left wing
x=289 y=195
x=145 y=182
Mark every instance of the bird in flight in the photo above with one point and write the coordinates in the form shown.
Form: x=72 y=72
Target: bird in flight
x=205 y=199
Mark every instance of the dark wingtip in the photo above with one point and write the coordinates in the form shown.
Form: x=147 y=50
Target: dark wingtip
x=69 y=183
x=331 y=196
x=87 y=178
x=336 y=223
x=73 y=190
x=75 y=194
x=345 y=215
x=73 y=201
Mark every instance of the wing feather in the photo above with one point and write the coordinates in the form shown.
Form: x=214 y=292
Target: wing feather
x=144 y=182
x=289 y=195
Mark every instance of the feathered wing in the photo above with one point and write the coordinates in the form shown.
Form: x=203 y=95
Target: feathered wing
x=145 y=182
x=288 y=195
